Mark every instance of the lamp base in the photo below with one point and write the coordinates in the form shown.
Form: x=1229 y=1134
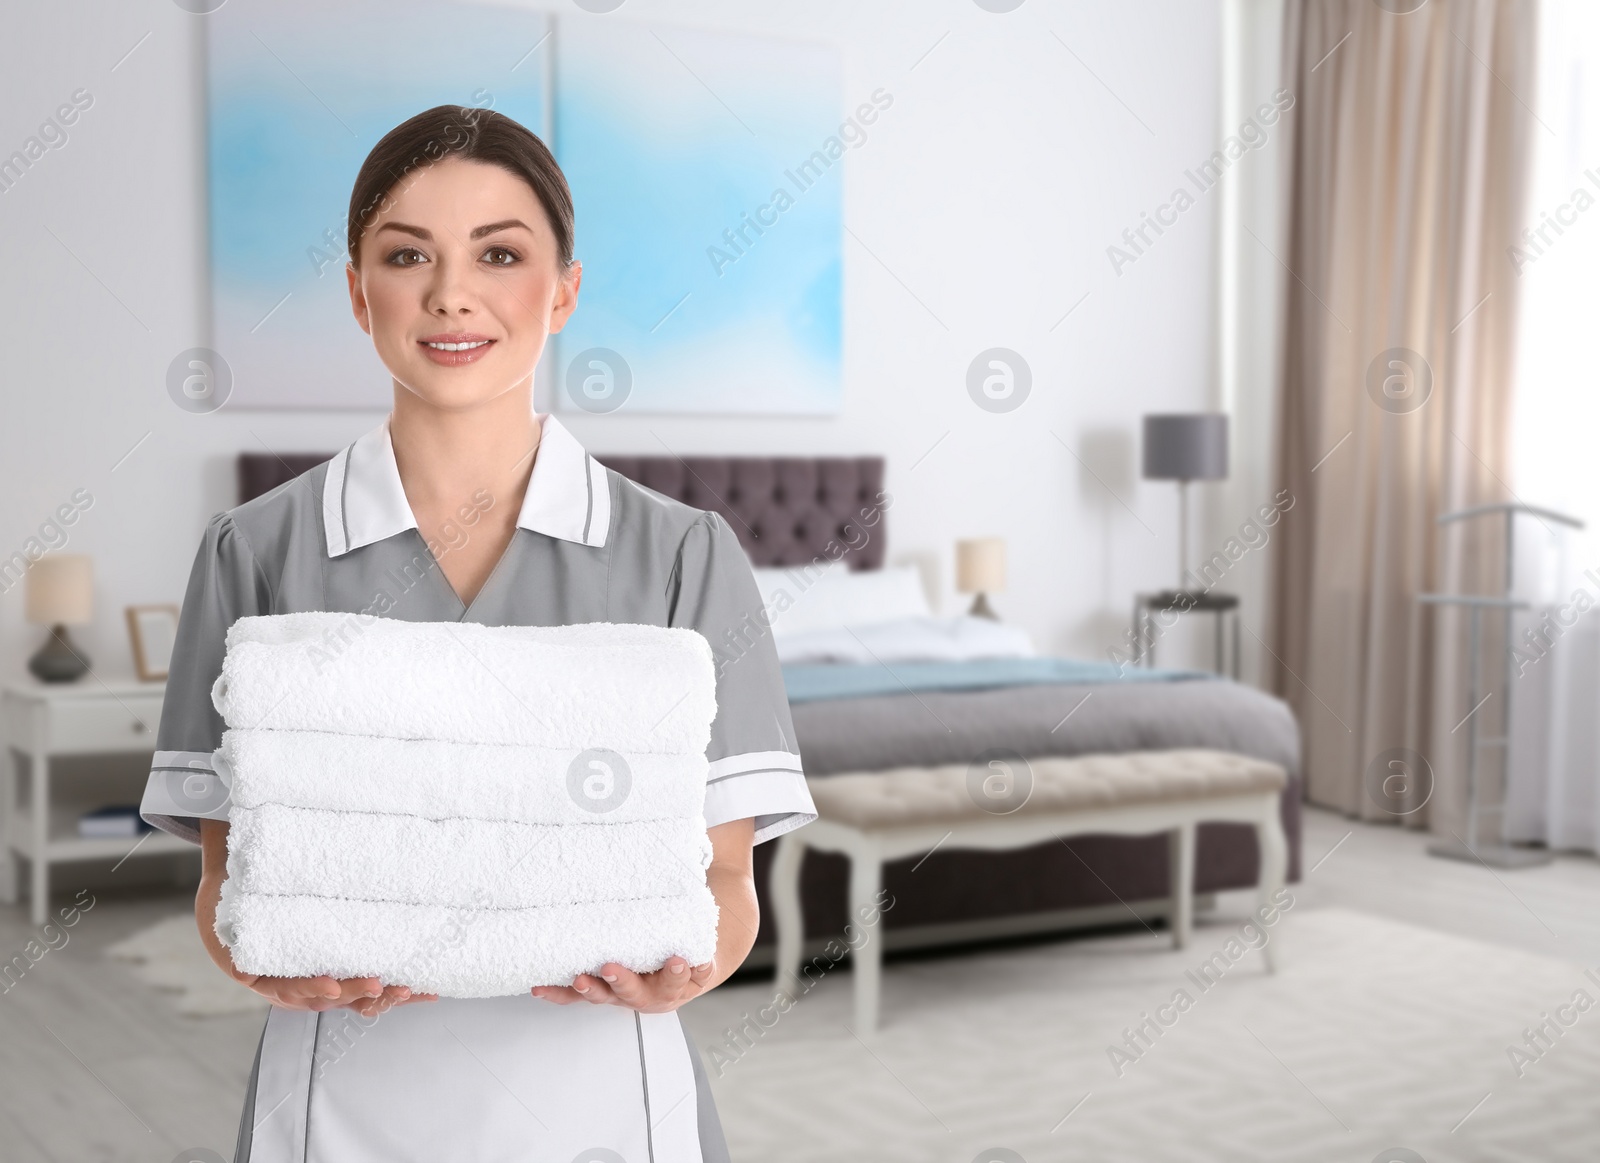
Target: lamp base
x=57 y=660
x=982 y=609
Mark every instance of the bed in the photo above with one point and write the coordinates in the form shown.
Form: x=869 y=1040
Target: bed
x=791 y=511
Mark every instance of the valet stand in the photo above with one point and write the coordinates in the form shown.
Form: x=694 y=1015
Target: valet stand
x=1498 y=854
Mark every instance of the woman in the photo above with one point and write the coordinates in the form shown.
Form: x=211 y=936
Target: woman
x=466 y=505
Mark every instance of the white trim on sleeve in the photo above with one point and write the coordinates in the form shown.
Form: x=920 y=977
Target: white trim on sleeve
x=749 y=761
x=768 y=786
x=771 y=827
x=183 y=787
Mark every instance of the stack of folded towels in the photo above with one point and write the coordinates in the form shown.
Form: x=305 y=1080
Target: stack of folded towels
x=467 y=810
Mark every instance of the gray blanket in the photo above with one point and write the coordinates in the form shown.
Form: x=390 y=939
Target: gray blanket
x=928 y=727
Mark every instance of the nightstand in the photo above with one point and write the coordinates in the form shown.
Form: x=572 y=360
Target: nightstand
x=46 y=720
x=1147 y=631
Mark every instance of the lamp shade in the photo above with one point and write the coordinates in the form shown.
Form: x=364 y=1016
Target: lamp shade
x=1186 y=446
x=60 y=589
x=981 y=565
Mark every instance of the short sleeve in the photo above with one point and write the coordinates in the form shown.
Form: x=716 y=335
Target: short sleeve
x=225 y=584
x=754 y=758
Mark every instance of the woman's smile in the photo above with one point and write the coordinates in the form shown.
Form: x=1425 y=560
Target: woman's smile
x=455 y=349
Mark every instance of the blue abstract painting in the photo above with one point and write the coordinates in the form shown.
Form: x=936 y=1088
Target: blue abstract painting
x=709 y=217
x=705 y=170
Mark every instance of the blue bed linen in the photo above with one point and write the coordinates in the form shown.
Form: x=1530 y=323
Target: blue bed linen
x=810 y=682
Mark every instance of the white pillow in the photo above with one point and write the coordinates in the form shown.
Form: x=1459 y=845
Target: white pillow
x=828 y=595
x=958 y=638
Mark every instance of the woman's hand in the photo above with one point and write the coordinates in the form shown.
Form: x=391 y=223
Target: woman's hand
x=659 y=992
x=392 y=995
x=366 y=995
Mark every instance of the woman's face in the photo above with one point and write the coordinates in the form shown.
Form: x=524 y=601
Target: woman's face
x=462 y=254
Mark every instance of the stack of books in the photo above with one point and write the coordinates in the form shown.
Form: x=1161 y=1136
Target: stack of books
x=112 y=820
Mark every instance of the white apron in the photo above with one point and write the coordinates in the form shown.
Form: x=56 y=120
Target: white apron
x=485 y=1080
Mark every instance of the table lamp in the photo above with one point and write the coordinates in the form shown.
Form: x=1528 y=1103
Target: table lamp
x=981 y=569
x=60 y=592
x=1184 y=447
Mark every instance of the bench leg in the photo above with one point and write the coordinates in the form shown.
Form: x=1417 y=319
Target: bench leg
x=1180 y=865
x=783 y=885
x=866 y=877
x=1274 y=847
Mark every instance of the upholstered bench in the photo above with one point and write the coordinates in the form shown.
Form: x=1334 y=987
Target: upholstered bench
x=877 y=816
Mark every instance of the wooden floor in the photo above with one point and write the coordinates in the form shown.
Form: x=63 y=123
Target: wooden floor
x=94 y=1066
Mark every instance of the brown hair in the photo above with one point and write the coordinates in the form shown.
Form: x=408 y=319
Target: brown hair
x=472 y=134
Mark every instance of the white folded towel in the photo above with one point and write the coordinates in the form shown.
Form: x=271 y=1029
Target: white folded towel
x=436 y=779
x=643 y=688
x=465 y=809
x=473 y=952
x=285 y=851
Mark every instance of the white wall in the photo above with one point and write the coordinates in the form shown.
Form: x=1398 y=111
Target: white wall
x=987 y=195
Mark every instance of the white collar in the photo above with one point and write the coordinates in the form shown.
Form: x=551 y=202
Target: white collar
x=363 y=500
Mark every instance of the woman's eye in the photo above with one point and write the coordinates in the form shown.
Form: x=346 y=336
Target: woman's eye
x=399 y=257
x=500 y=256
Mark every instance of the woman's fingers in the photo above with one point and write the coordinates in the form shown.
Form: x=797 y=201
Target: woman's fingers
x=319 y=993
x=560 y=994
x=393 y=995
x=593 y=989
x=675 y=979
x=310 y=987
x=350 y=990
x=355 y=987
x=289 y=992
x=626 y=986
x=662 y=989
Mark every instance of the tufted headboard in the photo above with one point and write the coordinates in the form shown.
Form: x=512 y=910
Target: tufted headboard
x=785 y=509
x=261 y=472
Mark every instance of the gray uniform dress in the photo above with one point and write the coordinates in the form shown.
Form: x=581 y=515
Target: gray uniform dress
x=481 y=1079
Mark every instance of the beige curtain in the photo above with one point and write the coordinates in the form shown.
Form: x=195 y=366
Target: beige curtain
x=1407 y=166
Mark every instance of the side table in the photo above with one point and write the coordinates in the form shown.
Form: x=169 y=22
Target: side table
x=1147 y=606
x=43 y=721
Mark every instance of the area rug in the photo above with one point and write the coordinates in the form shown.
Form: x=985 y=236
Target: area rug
x=168 y=956
x=1373 y=1039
